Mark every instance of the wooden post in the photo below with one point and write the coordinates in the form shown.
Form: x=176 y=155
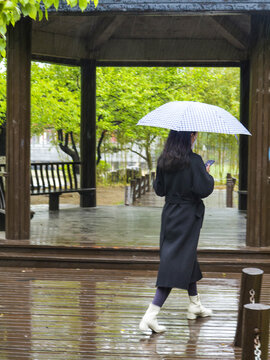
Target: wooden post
x=251 y=280
x=153 y=175
x=54 y=202
x=18 y=130
x=139 y=182
x=88 y=131
x=143 y=185
x=255 y=322
x=3 y=139
x=229 y=190
x=128 y=195
x=243 y=140
x=258 y=224
x=147 y=186
x=133 y=190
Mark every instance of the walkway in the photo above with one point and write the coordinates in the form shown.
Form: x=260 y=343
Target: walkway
x=216 y=200
x=126 y=237
x=56 y=314
x=127 y=226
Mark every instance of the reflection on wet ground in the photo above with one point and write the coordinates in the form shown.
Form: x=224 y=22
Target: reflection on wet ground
x=128 y=226
x=58 y=314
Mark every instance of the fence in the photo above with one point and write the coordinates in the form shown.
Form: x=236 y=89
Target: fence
x=138 y=187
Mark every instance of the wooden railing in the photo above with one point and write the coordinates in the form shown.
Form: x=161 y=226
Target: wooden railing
x=138 y=187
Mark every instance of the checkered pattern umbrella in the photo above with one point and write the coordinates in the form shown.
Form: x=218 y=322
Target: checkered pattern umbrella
x=193 y=116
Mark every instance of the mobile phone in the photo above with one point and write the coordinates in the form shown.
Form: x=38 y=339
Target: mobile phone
x=209 y=162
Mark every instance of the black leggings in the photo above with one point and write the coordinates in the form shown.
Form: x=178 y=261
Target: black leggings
x=163 y=292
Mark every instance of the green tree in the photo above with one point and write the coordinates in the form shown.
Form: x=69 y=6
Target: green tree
x=124 y=95
x=127 y=94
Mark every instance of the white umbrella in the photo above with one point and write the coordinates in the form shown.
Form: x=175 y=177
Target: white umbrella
x=193 y=116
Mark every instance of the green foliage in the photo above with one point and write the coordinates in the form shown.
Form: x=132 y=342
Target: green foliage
x=12 y=10
x=124 y=95
x=101 y=171
x=55 y=102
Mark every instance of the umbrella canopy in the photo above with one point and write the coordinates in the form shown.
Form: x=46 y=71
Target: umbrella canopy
x=193 y=116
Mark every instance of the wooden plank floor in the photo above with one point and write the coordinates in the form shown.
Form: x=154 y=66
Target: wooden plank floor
x=127 y=226
x=61 y=314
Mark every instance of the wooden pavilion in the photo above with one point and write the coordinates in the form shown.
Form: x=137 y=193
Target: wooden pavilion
x=143 y=33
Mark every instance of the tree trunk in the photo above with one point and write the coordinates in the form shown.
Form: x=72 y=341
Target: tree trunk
x=3 y=140
x=72 y=152
x=99 y=145
x=148 y=158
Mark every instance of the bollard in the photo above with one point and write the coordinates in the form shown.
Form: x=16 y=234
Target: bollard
x=255 y=332
x=251 y=280
x=229 y=190
x=128 y=194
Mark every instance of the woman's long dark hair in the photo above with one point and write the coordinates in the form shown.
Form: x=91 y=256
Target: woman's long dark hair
x=176 y=152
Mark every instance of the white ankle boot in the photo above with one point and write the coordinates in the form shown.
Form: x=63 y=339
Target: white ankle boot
x=149 y=321
x=196 y=309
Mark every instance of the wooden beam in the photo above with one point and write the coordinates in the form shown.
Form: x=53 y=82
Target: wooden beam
x=230 y=31
x=145 y=63
x=150 y=63
x=88 y=131
x=18 y=130
x=169 y=50
x=58 y=45
x=258 y=224
x=56 y=60
x=243 y=141
x=104 y=31
x=67 y=47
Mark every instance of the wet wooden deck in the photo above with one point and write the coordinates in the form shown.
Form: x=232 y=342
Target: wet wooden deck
x=126 y=237
x=59 y=314
x=216 y=200
x=127 y=226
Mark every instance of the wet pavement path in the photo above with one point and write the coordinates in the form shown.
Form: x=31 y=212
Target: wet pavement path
x=58 y=314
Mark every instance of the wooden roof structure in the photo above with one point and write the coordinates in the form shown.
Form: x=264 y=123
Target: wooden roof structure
x=144 y=33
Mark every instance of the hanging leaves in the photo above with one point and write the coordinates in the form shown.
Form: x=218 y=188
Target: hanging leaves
x=12 y=10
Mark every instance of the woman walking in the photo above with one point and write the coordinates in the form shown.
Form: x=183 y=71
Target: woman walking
x=184 y=180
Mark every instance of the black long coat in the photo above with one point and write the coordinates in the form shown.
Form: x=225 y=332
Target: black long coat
x=181 y=222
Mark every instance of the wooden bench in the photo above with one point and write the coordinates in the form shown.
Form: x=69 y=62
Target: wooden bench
x=50 y=178
x=54 y=179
